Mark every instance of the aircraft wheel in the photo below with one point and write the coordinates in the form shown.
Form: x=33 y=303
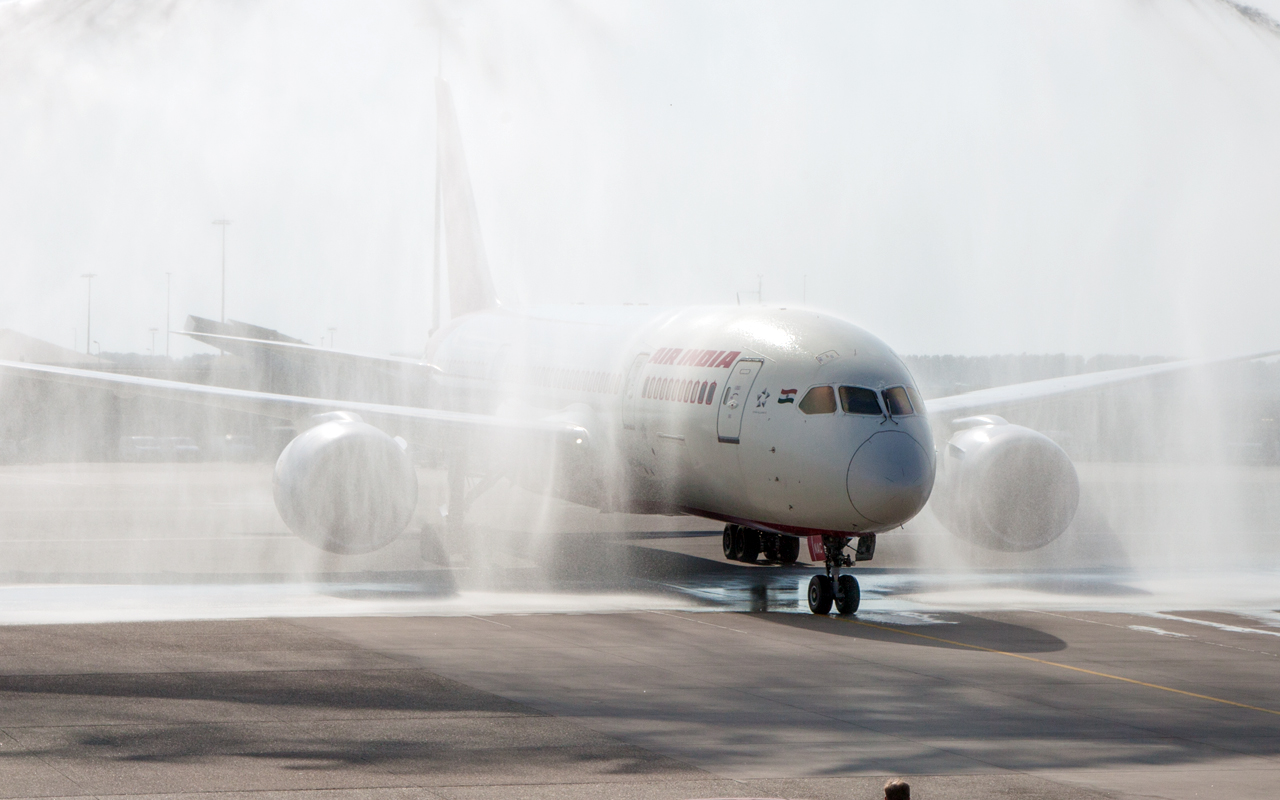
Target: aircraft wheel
x=736 y=541
x=788 y=549
x=727 y=541
x=820 y=594
x=750 y=546
x=850 y=595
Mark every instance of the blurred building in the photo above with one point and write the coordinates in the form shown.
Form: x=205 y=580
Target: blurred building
x=45 y=421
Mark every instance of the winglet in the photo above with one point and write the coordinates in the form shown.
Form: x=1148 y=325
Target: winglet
x=470 y=284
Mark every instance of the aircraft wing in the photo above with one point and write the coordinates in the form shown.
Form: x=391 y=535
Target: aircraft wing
x=976 y=402
x=417 y=424
x=244 y=346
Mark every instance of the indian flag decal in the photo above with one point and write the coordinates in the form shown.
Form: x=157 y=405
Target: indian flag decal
x=787 y=396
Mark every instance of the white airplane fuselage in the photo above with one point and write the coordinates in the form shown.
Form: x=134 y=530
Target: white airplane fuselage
x=699 y=410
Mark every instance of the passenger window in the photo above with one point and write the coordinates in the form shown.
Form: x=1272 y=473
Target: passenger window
x=819 y=400
x=916 y=402
x=856 y=400
x=897 y=402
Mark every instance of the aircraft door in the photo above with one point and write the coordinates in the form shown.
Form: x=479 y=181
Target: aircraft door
x=632 y=395
x=733 y=399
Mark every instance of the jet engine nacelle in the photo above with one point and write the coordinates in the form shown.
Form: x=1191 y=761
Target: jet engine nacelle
x=1006 y=487
x=345 y=486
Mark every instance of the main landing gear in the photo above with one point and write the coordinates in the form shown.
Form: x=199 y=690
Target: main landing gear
x=843 y=590
x=747 y=544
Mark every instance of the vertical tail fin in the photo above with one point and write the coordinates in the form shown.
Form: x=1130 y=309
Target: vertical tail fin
x=470 y=284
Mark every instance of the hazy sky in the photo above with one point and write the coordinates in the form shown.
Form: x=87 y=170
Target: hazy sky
x=957 y=177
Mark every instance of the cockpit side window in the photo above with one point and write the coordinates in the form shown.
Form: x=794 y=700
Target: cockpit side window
x=916 y=402
x=856 y=400
x=819 y=400
x=897 y=401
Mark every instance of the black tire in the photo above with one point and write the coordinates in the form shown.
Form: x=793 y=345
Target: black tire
x=750 y=546
x=788 y=549
x=736 y=555
x=727 y=541
x=820 y=595
x=850 y=595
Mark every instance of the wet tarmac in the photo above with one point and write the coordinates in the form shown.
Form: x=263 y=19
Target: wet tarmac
x=596 y=657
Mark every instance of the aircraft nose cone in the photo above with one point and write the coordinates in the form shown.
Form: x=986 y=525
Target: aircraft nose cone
x=890 y=478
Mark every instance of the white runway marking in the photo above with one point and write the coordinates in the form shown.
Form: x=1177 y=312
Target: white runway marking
x=50 y=604
x=1157 y=631
x=1275 y=621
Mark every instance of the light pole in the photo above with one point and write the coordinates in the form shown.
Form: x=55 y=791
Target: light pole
x=153 y=340
x=88 y=311
x=759 y=292
x=224 y=223
x=168 y=293
x=331 y=330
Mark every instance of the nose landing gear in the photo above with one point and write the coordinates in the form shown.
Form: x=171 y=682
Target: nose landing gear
x=843 y=590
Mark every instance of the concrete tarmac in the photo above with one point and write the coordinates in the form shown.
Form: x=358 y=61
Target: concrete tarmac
x=643 y=705
x=596 y=657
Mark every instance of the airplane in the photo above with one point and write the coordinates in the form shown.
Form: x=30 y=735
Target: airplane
x=783 y=423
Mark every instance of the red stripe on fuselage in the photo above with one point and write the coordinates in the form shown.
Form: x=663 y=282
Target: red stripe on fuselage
x=769 y=527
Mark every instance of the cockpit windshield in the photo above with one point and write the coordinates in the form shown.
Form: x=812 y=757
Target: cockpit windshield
x=857 y=400
x=897 y=401
x=819 y=400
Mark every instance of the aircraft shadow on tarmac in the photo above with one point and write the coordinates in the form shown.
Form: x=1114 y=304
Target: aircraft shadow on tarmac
x=761 y=590
x=966 y=632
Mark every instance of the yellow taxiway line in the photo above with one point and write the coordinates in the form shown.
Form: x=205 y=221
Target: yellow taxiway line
x=1061 y=666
